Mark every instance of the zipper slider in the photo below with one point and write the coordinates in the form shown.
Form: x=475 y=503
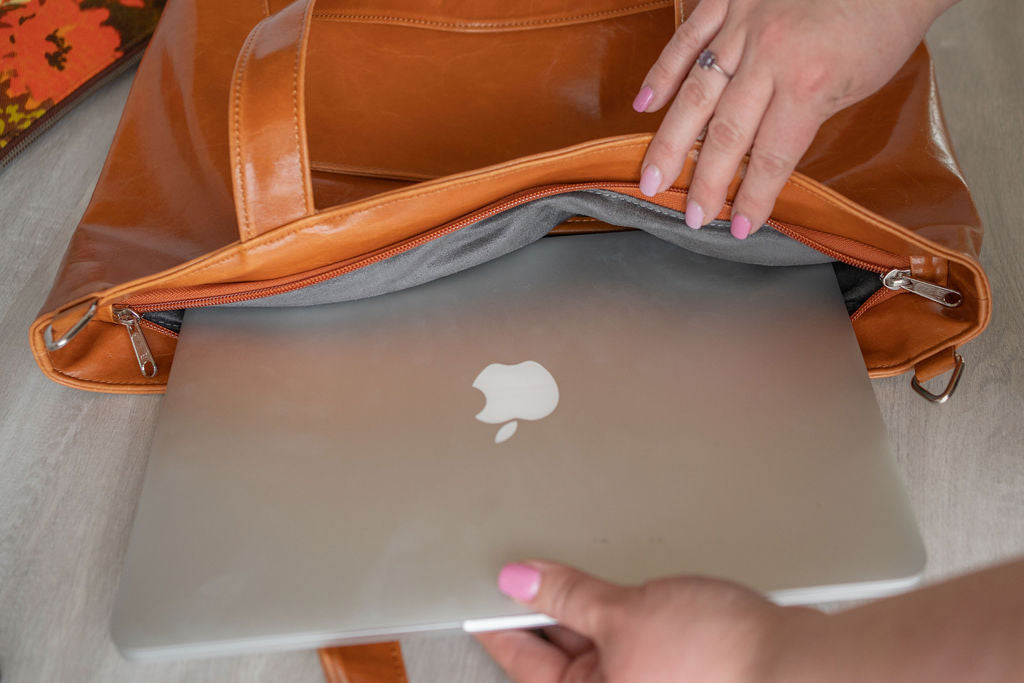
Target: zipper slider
x=900 y=279
x=130 y=319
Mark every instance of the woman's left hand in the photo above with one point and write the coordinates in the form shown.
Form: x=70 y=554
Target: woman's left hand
x=792 y=64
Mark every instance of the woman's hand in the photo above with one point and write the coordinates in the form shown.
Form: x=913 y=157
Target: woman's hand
x=689 y=629
x=794 y=63
x=679 y=629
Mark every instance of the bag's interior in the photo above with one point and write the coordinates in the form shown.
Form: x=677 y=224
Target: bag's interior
x=516 y=227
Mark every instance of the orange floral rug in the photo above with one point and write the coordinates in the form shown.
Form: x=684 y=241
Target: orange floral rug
x=53 y=51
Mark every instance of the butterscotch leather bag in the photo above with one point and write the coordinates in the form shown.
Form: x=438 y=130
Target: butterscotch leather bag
x=276 y=153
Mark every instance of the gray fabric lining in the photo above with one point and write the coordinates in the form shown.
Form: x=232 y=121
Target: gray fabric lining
x=515 y=228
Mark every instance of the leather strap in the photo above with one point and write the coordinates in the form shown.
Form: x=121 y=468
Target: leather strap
x=939 y=364
x=269 y=152
x=273 y=186
x=375 y=663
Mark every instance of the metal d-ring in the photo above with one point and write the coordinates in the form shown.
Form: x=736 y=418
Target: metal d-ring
x=954 y=379
x=52 y=345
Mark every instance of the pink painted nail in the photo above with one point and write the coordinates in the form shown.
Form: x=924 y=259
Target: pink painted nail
x=694 y=214
x=740 y=227
x=650 y=180
x=643 y=99
x=519 y=581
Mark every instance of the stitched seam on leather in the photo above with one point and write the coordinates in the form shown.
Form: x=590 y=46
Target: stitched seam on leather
x=338 y=16
x=153 y=327
x=377 y=207
x=105 y=381
x=930 y=351
x=295 y=103
x=239 y=172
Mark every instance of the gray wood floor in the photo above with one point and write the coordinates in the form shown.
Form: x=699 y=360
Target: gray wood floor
x=71 y=463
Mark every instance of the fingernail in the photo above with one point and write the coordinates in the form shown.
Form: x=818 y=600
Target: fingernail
x=740 y=227
x=694 y=214
x=650 y=180
x=519 y=581
x=643 y=99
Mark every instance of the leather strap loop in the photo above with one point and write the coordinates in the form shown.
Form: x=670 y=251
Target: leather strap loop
x=269 y=152
x=947 y=360
x=937 y=364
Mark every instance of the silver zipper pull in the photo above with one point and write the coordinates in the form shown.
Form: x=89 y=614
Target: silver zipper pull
x=900 y=279
x=130 y=319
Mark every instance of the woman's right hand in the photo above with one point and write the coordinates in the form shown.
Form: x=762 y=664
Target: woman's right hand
x=691 y=629
x=679 y=629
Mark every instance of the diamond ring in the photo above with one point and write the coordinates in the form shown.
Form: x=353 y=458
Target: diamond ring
x=709 y=60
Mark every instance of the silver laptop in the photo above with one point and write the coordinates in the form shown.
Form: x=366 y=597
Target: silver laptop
x=359 y=471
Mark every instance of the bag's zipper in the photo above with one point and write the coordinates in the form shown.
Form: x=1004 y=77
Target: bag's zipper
x=894 y=280
x=892 y=269
x=131 y=320
x=897 y=280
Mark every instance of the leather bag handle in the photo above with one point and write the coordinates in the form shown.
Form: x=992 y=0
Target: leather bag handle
x=270 y=171
x=270 y=174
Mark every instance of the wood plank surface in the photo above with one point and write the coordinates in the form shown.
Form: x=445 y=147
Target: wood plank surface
x=71 y=463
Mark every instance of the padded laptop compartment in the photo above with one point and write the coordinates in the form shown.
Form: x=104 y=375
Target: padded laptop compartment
x=517 y=227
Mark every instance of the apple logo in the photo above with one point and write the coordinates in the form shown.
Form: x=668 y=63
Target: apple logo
x=525 y=391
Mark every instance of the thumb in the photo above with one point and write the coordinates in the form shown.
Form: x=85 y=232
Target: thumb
x=575 y=599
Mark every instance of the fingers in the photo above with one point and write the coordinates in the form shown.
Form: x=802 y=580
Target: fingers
x=576 y=600
x=786 y=131
x=524 y=656
x=690 y=111
x=567 y=640
x=692 y=36
x=730 y=134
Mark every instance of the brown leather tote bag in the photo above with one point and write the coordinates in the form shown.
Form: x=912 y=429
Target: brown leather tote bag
x=273 y=153
x=277 y=154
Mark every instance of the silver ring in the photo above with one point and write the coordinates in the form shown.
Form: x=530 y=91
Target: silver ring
x=59 y=344
x=709 y=60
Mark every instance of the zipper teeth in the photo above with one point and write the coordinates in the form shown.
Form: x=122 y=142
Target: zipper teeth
x=828 y=251
x=475 y=217
x=57 y=111
x=370 y=260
